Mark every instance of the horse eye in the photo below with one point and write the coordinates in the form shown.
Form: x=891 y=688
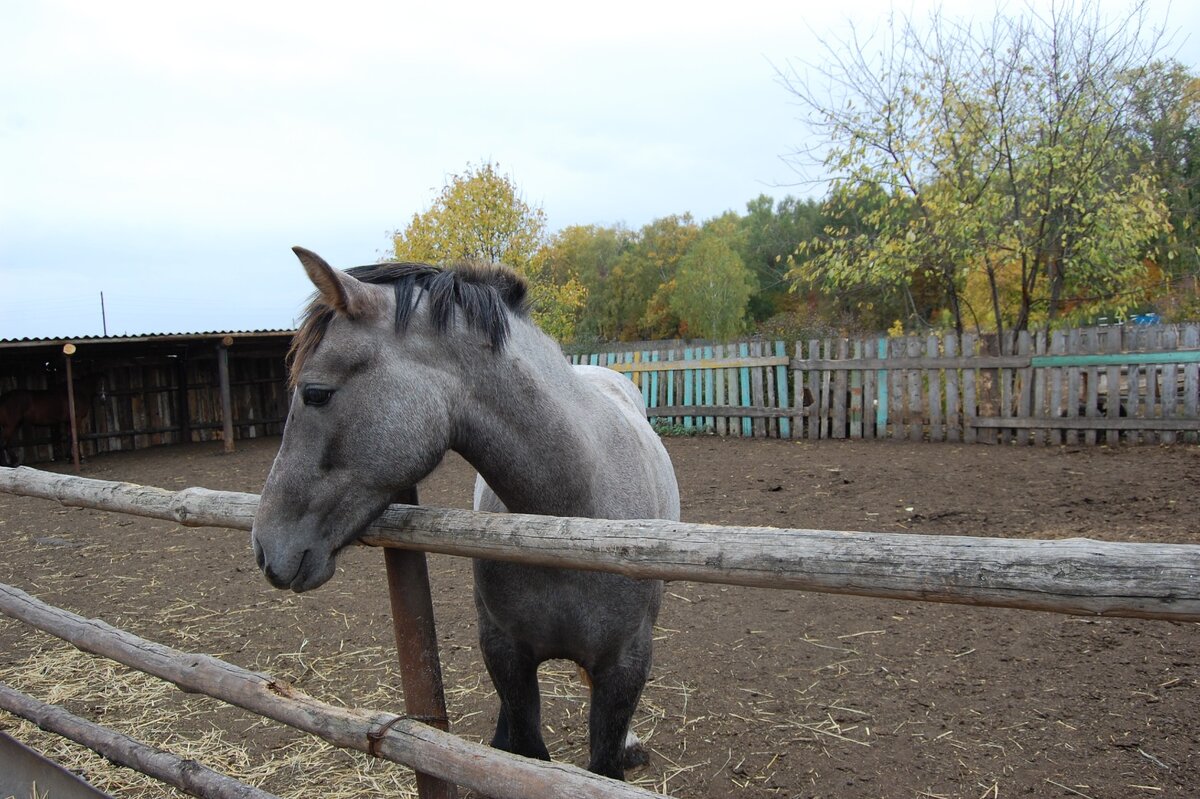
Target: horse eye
x=316 y=395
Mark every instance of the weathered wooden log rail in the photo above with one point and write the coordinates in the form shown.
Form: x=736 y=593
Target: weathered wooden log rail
x=401 y=740
x=1154 y=581
x=186 y=775
x=1080 y=576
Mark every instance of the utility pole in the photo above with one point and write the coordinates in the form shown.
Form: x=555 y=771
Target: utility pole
x=103 y=318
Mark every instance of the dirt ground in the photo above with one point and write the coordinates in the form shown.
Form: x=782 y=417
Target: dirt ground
x=755 y=693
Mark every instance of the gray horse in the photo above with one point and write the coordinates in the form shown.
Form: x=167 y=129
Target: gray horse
x=394 y=365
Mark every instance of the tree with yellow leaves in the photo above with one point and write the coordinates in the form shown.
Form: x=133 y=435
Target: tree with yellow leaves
x=480 y=215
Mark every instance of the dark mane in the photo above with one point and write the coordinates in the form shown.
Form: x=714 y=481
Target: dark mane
x=485 y=294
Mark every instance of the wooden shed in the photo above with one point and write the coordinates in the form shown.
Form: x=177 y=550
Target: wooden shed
x=145 y=390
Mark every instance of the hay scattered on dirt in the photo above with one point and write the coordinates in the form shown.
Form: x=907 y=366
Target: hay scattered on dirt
x=291 y=765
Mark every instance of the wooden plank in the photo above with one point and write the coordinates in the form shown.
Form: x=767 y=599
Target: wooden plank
x=1002 y=391
x=1113 y=392
x=693 y=363
x=953 y=410
x=733 y=379
x=896 y=348
x=1118 y=358
x=1074 y=398
x=1070 y=576
x=1092 y=423
x=771 y=399
x=1170 y=384
x=1025 y=378
x=841 y=388
x=915 y=379
x=816 y=420
x=933 y=391
x=827 y=380
x=902 y=361
x=1091 y=343
x=1152 y=398
x=1041 y=346
x=1055 y=375
x=882 y=404
x=758 y=394
x=652 y=380
x=710 y=396
x=744 y=385
x=730 y=411
x=720 y=380
x=856 y=395
x=1190 y=337
x=870 y=390
x=689 y=396
x=1133 y=398
x=970 y=403
x=782 y=391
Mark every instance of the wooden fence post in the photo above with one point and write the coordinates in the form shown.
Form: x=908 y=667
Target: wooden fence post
x=417 y=647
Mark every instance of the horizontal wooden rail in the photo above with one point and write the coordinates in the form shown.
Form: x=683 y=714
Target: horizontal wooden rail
x=419 y=746
x=1157 y=581
x=187 y=775
x=996 y=361
x=699 y=363
x=733 y=411
x=904 y=362
x=1082 y=423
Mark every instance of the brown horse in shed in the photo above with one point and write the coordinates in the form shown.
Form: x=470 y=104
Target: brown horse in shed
x=45 y=408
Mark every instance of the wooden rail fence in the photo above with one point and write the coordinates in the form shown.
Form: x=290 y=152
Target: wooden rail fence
x=1157 y=581
x=1085 y=386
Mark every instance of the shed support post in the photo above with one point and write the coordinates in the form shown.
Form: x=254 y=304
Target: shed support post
x=417 y=647
x=181 y=399
x=68 y=351
x=226 y=399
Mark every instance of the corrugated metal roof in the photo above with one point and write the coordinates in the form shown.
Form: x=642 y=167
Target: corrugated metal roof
x=135 y=337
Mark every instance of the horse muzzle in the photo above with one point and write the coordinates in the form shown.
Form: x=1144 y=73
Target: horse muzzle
x=299 y=571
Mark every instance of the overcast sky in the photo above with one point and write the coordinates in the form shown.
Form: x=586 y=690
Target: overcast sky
x=170 y=154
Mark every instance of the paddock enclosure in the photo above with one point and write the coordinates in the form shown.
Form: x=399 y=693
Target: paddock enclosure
x=755 y=692
x=1102 y=385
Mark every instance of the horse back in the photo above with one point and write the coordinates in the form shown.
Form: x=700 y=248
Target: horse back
x=637 y=480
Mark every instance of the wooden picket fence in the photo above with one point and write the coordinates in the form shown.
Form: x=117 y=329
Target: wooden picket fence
x=1082 y=386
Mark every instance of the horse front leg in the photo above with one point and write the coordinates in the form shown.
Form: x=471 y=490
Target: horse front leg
x=514 y=673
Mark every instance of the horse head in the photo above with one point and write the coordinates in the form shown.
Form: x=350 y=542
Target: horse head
x=376 y=388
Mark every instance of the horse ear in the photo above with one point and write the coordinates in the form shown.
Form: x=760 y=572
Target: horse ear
x=340 y=291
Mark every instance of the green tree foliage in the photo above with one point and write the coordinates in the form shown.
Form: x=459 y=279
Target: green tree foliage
x=1165 y=124
x=771 y=231
x=713 y=286
x=997 y=151
x=480 y=215
x=587 y=256
x=638 y=300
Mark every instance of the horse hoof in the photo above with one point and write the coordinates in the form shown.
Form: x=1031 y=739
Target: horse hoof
x=635 y=754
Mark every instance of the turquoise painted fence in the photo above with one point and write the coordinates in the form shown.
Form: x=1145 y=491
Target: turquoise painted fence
x=1085 y=386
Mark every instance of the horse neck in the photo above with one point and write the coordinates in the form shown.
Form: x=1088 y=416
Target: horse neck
x=523 y=427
